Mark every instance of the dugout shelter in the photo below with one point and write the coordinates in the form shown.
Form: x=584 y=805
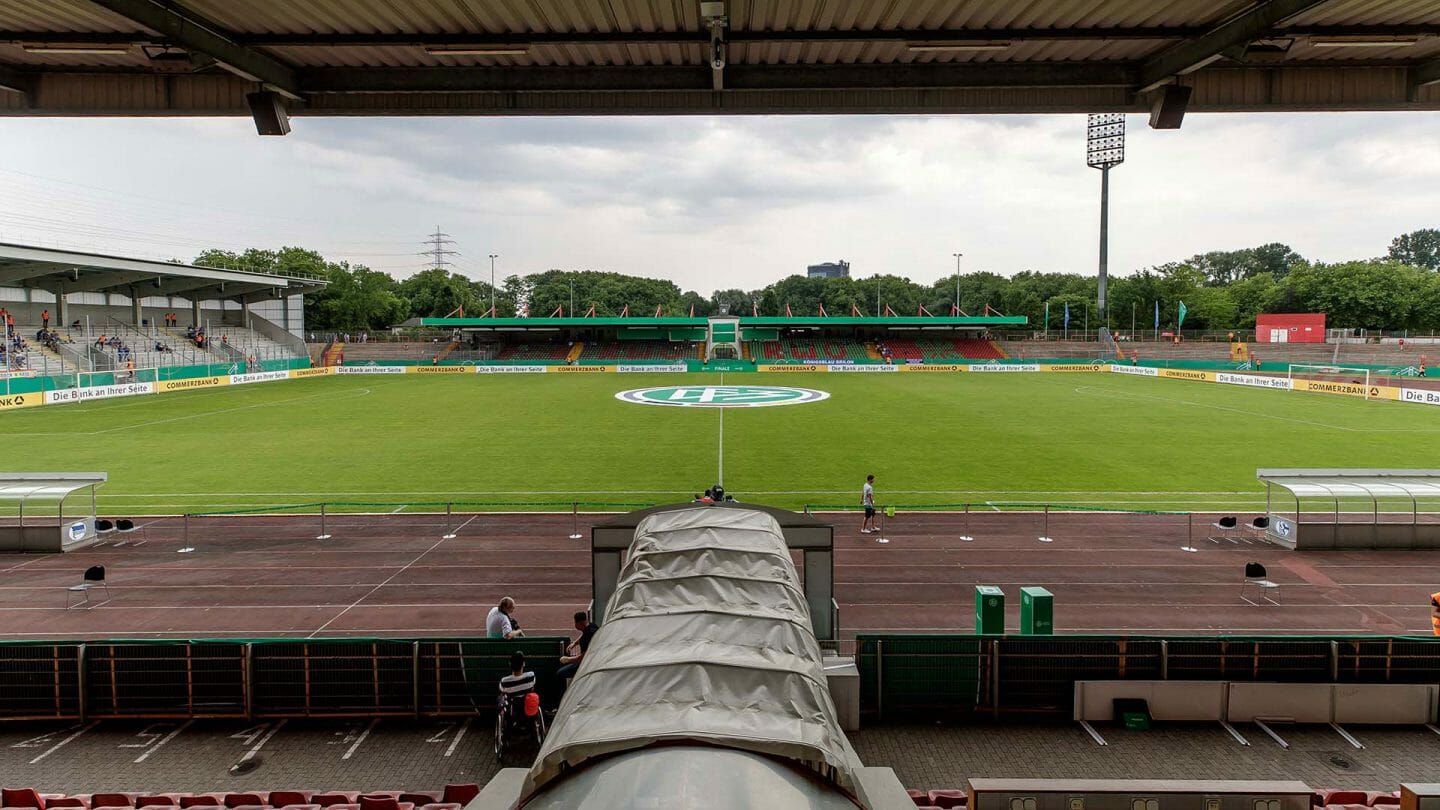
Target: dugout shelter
x=1352 y=508
x=48 y=512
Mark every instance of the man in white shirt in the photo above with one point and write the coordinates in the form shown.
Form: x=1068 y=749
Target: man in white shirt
x=498 y=623
x=867 y=500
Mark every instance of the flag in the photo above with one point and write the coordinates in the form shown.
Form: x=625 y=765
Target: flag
x=1157 y=314
x=755 y=308
x=1067 y=315
x=1047 y=314
x=788 y=314
x=823 y=314
x=1183 y=310
x=692 y=310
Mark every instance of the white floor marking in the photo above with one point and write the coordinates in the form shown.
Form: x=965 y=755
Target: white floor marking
x=366 y=733
x=167 y=738
x=57 y=746
x=371 y=592
x=256 y=749
x=458 y=735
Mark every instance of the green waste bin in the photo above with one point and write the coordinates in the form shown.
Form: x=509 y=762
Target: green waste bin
x=1037 y=612
x=989 y=610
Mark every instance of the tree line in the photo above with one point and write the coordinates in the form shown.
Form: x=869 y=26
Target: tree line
x=1220 y=289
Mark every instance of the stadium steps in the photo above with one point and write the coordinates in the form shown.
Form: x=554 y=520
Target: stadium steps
x=999 y=350
x=575 y=351
x=446 y=352
x=874 y=352
x=334 y=354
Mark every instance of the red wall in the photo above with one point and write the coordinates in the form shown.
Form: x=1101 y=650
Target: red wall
x=1300 y=328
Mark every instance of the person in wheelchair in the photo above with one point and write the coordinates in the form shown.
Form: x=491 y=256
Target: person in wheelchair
x=519 y=716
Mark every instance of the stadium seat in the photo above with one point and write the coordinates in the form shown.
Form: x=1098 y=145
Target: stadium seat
x=285 y=798
x=1255 y=576
x=419 y=799
x=1225 y=528
x=65 y=801
x=200 y=800
x=155 y=800
x=21 y=797
x=949 y=798
x=1383 y=799
x=111 y=800
x=919 y=797
x=233 y=800
x=1346 y=797
x=461 y=794
x=332 y=799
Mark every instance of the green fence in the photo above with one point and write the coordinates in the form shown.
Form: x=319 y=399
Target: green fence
x=265 y=677
x=911 y=677
x=57 y=382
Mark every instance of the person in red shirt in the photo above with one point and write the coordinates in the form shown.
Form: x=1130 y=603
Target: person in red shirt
x=45 y=319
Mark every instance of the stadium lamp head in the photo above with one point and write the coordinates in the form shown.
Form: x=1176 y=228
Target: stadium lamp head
x=477 y=50
x=77 y=49
x=957 y=46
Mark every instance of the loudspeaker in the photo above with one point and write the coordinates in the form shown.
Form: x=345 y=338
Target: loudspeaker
x=268 y=112
x=1169 y=108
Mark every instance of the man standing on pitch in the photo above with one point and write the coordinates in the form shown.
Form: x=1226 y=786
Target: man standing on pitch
x=867 y=500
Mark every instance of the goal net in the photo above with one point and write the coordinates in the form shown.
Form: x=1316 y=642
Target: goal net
x=1347 y=380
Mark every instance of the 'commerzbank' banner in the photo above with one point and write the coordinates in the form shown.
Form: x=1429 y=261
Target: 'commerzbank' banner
x=1253 y=380
x=1420 y=395
x=647 y=368
x=1138 y=371
x=99 y=392
x=885 y=369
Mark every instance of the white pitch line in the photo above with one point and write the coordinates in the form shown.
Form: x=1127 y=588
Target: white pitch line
x=167 y=738
x=255 y=749
x=376 y=588
x=458 y=735
x=363 y=735
x=57 y=746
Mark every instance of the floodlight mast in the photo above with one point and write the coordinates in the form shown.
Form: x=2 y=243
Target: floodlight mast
x=1104 y=149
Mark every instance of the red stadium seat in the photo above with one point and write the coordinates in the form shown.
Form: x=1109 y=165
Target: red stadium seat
x=111 y=800
x=370 y=802
x=21 y=797
x=233 y=800
x=200 y=800
x=949 y=798
x=156 y=800
x=419 y=799
x=1346 y=797
x=332 y=799
x=461 y=794
x=284 y=798
x=1381 y=799
x=919 y=797
x=65 y=801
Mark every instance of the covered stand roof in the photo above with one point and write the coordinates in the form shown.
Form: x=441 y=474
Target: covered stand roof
x=26 y=491
x=706 y=642
x=1374 y=486
x=437 y=57
x=74 y=271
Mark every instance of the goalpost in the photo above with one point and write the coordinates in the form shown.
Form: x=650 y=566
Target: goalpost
x=1331 y=379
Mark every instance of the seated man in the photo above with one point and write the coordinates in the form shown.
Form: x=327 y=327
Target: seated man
x=575 y=652
x=519 y=682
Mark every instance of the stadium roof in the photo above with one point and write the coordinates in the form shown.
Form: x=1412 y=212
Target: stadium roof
x=424 y=57
x=53 y=270
x=1372 y=485
x=937 y=321
x=19 y=490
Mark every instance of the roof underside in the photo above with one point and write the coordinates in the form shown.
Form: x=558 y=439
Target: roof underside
x=1364 y=484
x=355 y=57
x=25 y=489
x=71 y=271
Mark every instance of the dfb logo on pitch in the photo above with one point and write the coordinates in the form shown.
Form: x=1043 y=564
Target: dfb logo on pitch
x=721 y=396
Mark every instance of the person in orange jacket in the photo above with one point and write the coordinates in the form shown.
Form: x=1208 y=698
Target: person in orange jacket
x=1435 y=613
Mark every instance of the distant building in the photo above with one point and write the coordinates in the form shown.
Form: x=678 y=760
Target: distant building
x=840 y=269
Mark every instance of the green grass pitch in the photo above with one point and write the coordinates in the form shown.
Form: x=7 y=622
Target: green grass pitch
x=1090 y=439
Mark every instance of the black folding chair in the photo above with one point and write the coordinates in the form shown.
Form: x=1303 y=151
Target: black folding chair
x=1256 y=577
x=94 y=578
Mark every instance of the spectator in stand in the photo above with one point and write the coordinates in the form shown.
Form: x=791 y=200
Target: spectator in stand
x=75 y=324
x=575 y=651
x=45 y=318
x=500 y=622
x=100 y=341
x=520 y=680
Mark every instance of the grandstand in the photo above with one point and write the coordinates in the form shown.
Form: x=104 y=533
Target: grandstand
x=943 y=350
x=249 y=316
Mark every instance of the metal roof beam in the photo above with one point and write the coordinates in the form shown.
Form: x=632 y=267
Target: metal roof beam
x=738 y=77
x=733 y=37
x=1200 y=51
x=1426 y=74
x=17 y=82
x=16 y=273
x=106 y=282
x=199 y=35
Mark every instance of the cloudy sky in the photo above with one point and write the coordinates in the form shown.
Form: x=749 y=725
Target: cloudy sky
x=713 y=202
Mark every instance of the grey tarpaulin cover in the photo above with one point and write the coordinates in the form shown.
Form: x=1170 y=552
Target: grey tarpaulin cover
x=707 y=639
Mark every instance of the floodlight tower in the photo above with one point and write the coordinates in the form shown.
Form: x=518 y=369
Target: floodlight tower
x=1104 y=150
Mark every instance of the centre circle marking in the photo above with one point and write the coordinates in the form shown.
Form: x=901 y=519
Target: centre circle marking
x=721 y=396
